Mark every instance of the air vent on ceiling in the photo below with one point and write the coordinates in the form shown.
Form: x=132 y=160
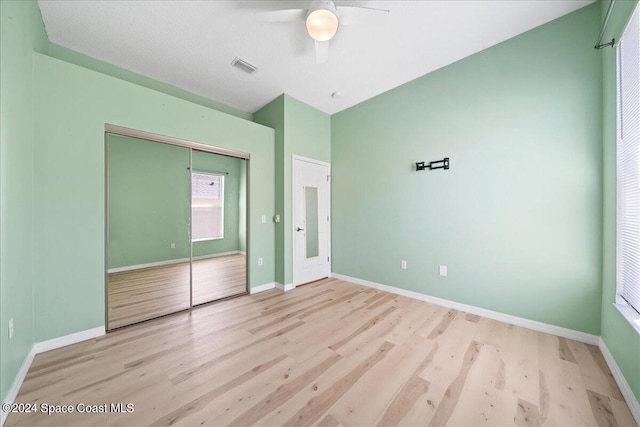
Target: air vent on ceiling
x=243 y=65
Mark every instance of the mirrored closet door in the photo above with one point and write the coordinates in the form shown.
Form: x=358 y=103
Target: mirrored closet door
x=218 y=218
x=176 y=230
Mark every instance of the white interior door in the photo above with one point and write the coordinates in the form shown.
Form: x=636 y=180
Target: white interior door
x=311 y=231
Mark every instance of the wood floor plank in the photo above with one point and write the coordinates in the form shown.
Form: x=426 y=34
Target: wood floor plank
x=621 y=413
x=595 y=352
x=481 y=403
x=592 y=374
x=410 y=317
x=330 y=354
x=328 y=421
x=452 y=395
x=443 y=325
x=423 y=411
x=185 y=375
x=318 y=405
x=520 y=353
x=198 y=403
x=415 y=388
x=545 y=397
x=146 y=293
x=528 y=414
x=564 y=351
x=433 y=316
x=449 y=359
x=601 y=408
x=568 y=403
x=366 y=402
x=472 y=318
x=371 y=323
x=500 y=377
x=284 y=393
x=492 y=332
x=241 y=400
x=408 y=395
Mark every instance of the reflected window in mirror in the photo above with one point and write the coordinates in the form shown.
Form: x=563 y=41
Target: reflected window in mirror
x=207 y=206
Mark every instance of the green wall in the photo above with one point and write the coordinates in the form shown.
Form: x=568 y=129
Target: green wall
x=148 y=202
x=517 y=219
x=72 y=105
x=21 y=31
x=272 y=115
x=620 y=337
x=301 y=130
x=85 y=61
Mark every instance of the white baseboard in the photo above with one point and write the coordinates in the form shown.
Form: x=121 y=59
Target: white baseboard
x=262 y=288
x=169 y=262
x=284 y=288
x=495 y=315
x=12 y=393
x=196 y=258
x=242 y=253
x=625 y=389
x=41 y=347
x=148 y=265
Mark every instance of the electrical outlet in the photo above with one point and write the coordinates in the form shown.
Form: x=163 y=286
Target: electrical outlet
x=403 y=264
x=443 y=270
x=11 y=328
x=173 y=246
x=259 y=262
x=263 y=219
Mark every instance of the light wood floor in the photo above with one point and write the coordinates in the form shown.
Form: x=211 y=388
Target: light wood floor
x=147 y=293
x=327 y=354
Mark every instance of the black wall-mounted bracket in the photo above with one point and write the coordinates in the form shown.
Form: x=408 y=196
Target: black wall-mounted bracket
x=438 y=164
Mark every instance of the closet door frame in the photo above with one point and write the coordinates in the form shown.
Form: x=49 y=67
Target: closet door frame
x=110 y=129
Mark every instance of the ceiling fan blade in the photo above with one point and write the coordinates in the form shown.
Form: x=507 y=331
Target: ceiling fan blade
x=322 y=52
x=354 y=15
x=285 y=15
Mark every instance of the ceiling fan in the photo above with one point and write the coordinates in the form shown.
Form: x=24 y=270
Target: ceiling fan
x=322 y=20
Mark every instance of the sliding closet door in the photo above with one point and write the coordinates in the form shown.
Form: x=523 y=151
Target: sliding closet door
x=218 y=218
x=148 y=260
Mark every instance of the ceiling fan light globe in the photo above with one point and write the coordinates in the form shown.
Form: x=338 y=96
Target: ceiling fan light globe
x=322 y=25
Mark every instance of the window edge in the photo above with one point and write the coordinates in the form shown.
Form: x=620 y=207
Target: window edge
x=632 y=316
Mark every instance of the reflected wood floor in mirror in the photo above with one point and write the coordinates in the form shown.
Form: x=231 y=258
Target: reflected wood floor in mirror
x=327 y=354
x=221 y=277
x=147 y=293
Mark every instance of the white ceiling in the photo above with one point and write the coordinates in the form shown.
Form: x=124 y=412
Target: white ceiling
x=191 y=44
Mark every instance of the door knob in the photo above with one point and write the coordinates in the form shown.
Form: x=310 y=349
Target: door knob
x=299 y=229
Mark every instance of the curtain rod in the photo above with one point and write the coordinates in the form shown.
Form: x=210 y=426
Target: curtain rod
x=208 y=172
x=604 y=27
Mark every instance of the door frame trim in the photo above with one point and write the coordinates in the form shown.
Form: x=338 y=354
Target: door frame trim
x=156 y=137
x=295 y=157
